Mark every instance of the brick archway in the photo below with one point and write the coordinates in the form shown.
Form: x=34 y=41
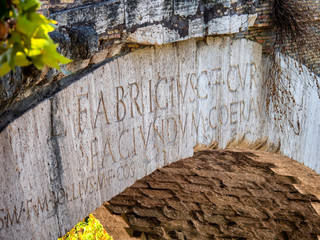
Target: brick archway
x=220 y=194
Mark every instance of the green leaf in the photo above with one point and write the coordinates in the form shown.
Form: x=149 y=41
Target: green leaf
x=51 y=62
x=25 y=26
x=14 y=38
x=51 y=52
x=38 y=62
x=3 y=58
x=4 y=69
x=21 y=59
x=8 y=57
x=29 y=5
x=37 y=19
x=28 y=41
x=11 y=52
x=15 y=2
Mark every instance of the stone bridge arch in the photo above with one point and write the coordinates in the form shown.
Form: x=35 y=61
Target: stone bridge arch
x=218 y=194
x=137 y=106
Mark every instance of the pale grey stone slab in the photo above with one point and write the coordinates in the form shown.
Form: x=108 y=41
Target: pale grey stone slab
x=65 y=157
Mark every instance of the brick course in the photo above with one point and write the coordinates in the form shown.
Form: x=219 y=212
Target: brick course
x=262 y=32
x=233 y=194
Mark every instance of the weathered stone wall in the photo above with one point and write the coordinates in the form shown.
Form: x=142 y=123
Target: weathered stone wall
x=149 y=86
x=92 y=32
x=117 y=124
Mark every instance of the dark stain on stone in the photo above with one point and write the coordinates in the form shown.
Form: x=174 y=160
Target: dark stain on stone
x=168 y=4
x=61 y=37
x=179 y=24
x=54 y=1
x=10 y=84
x=55 y=165
x=130 y=11
x=212 y=12
x=85 y=41
x=113 y=12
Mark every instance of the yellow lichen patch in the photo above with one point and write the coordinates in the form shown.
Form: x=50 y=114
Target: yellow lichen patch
x=89 y=229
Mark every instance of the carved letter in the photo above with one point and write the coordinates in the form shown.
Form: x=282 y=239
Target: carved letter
x=132 y=169
x=82 y=186
x=134 y=98
x=182 y=93
x=100 y=183
x=196 y=123
x=218 y=78
x=150 y=96
x=259 y=106
x=210 y=117
x=171 y=90
x=296 y=130
x=156 y=94
x=183 y=129
x=107 y=148
x=253 y=74
x=235 y=71
x=111 y=175
x=242 y=78
x=156 y=130
x=242 y=105
x=233 y=112
x=120 y=101
x=92 y=182
x=201 y=74
x=61 y=196
x=120 y=146
x=221 y=113
x=94 y=153
x=145 y=141
x=120 y=173
x=101 y=102
x=15 y=216
x=43 y=206
x=126 y=171
x=193 y=86
x=27 y=208
x=81 y=111
x=252 y=108
x=175 y=132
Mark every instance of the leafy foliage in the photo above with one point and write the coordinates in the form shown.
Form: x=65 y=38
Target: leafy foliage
x=24 y=37
x=89 y=229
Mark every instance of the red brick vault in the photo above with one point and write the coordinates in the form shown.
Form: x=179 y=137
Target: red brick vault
x=219 y=194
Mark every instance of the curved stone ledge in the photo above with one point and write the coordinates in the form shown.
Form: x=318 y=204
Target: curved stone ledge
x=93 y=33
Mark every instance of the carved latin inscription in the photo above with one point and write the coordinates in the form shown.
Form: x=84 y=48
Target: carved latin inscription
x=122 y=122
x=112 y=160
